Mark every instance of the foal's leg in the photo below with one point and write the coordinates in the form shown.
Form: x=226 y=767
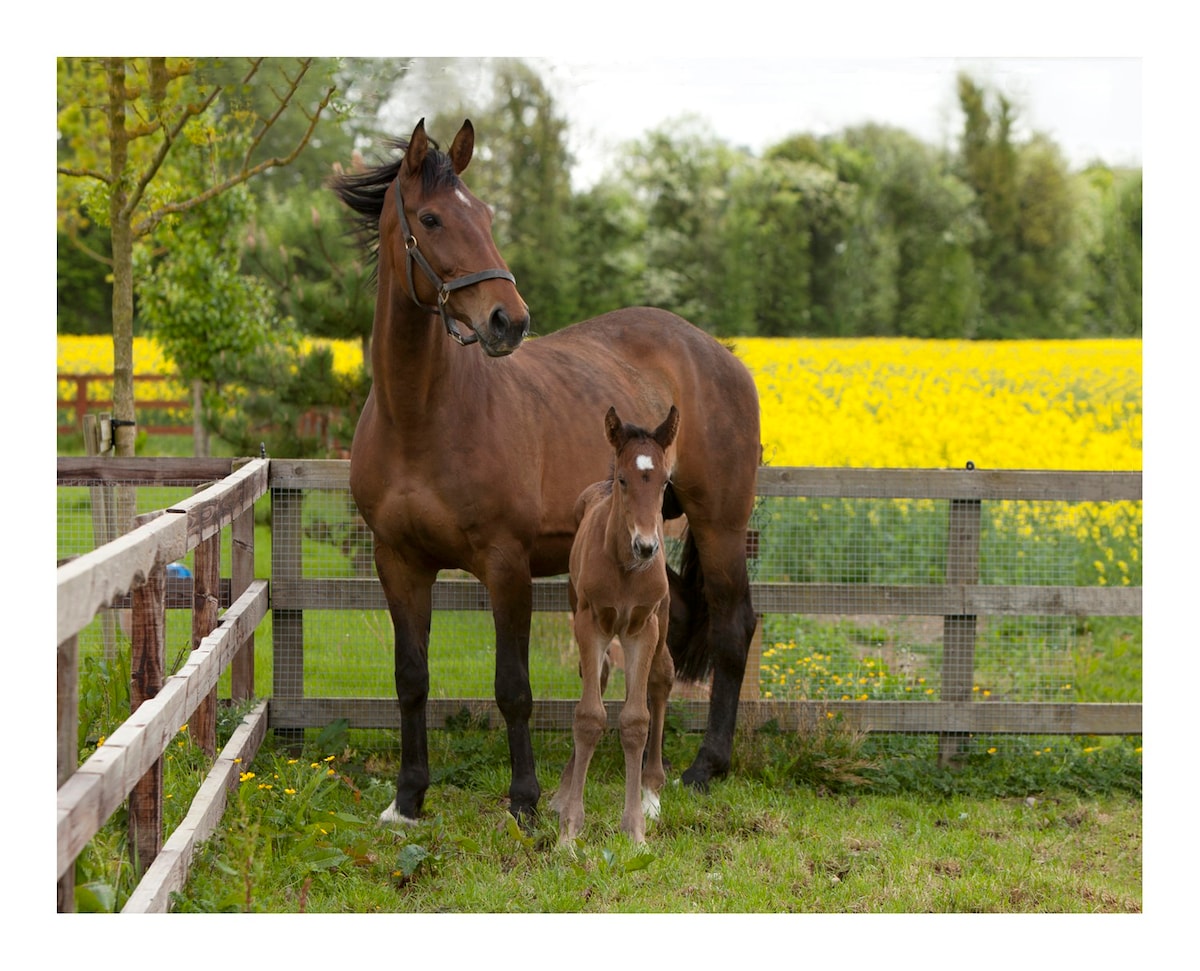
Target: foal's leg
x=635 y=724
x=409 y=597
x=589 y=723
x=662 y=677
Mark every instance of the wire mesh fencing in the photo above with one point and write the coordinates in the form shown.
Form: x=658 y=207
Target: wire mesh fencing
x=870 y=605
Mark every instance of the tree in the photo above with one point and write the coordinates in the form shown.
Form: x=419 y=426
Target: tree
x=1029 y=259
x=122 y=122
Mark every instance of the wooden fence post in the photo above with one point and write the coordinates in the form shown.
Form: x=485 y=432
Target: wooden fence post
x=206 y=599
x=147 y=664
x=104 y=510
x=68 y=743
x=287 y=625
x=242 y=572
x=958 y=632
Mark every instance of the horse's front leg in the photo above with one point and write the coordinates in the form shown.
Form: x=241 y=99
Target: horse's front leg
x=409 y=597
x=587 y=727
x=512 y=605
x=634 y=724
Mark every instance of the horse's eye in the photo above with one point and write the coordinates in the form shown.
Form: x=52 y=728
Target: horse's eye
x=430 y=221
x=621 y=481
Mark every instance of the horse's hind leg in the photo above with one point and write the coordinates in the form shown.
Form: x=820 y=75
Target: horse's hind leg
x=662 y=677
x=409 y=598
x=512 y=606
x=730 y=620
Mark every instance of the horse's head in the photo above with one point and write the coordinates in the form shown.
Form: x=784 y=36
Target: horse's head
x=641 y=470
x=435 y=224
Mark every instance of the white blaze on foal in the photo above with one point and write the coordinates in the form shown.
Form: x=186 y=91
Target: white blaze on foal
x=645 y=463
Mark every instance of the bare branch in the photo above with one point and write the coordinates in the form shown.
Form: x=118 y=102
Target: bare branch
x=154 y=218
x=85 y=174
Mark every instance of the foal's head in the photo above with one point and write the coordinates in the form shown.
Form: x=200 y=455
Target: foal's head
x=640 y=476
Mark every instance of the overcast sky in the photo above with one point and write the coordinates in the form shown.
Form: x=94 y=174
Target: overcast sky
x=1090 y=107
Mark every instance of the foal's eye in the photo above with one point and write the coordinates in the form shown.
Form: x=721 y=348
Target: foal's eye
x=621 y=481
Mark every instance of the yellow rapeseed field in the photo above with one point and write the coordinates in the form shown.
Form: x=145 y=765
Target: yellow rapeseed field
x=898 y=403
x=891 y=403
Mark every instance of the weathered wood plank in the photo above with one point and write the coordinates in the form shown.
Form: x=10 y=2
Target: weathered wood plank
x=917 y=717
x=169 y=871
x=86 y=470
x=92 y=581
x=949 y=484
x=840 y=482
x=99 y=786
x=768 y=598
x=310 y=474
x=216 y=507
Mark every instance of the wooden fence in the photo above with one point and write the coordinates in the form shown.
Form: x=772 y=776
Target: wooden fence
x=959 y=602
x=82 y=404
x=130 y=571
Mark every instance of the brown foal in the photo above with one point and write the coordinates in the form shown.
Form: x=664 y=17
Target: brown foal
x=618 y=588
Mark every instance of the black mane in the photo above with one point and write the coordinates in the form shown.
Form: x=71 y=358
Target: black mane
x=364 y=191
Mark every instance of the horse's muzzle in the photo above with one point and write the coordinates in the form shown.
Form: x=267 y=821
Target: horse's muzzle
x=502 y=334
x=644 y=550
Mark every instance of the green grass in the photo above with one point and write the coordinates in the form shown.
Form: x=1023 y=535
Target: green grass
x=817 y=824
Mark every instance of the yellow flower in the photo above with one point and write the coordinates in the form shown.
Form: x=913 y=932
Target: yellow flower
x=246 y=776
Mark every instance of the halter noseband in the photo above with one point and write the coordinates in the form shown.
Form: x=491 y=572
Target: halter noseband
x=445 y=288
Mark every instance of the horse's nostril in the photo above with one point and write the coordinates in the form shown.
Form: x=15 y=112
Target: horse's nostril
x=644 y=550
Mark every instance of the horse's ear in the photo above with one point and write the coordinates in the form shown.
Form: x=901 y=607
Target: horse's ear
x=665 y=433
x=418 y=145
x=612 y=427
x=463 y=146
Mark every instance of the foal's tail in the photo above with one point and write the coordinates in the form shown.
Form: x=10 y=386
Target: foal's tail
x=687 y=630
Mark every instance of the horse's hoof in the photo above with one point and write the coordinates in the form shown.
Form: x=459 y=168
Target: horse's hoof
x=697 y=779
x=393 y=817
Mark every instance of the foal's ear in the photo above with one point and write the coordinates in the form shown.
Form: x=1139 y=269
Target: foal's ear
x=418 y=145
x=665 y=433
x=613 y=427
x=462 y=147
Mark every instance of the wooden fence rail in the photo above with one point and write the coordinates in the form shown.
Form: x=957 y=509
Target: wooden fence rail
x=959 y=601
x=128 y=766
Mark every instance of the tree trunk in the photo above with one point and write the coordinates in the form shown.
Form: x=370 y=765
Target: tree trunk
x=200 y=442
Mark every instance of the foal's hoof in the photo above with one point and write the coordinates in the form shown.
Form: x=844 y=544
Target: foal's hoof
x=392 y=817
x=651 y=806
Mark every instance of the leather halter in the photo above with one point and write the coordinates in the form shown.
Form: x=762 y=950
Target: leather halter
x=444 y=287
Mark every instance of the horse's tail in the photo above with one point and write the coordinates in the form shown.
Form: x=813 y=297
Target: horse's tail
x=687 y=630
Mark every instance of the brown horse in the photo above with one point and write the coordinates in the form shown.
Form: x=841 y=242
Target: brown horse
x=475 y=460
x=618 y=588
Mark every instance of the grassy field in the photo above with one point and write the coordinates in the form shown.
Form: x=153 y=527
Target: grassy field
x=818 y=823
x=806 y=824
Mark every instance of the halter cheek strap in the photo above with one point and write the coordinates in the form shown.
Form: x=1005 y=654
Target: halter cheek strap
x=444 y=287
